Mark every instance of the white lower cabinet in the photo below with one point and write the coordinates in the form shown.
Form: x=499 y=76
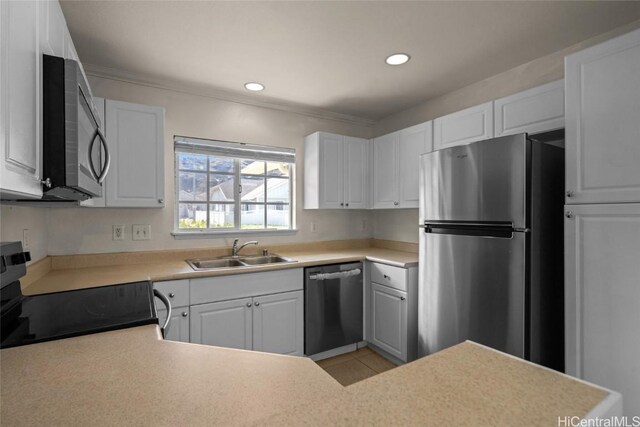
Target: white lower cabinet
x=255 y=311
x=278 y=323
x=223 y=324
x=392 y=316
x=389 y=320
x=270 y=323
x=178 y=329
x=177 y=292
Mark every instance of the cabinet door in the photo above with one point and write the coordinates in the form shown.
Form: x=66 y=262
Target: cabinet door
x=463 y=127
x=98 y=155
x=331 y=171
x=20 y=139
x=356 y=168
x=278 y=323
x=179 y=326
x=602 y=290
x=53 y=28
x=386 y=186
x=535 y=110
x=414 y=141
x=136 y=140
x=603 y=122
x=389 y=320
x=223 y=324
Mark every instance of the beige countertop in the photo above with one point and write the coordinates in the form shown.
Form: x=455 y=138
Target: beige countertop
x=79 y=277
x=131 y=377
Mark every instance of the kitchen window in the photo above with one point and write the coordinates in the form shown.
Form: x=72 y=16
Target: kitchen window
x=229 y=187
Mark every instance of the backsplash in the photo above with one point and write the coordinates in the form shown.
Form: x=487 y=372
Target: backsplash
x=15 y=219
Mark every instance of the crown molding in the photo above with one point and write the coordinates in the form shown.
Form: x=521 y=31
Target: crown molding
x=208 y=92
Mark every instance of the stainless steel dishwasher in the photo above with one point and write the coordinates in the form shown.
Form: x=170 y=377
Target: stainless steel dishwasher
x=332 y=306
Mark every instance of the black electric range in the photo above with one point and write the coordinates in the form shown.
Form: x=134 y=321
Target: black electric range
x=46 y=317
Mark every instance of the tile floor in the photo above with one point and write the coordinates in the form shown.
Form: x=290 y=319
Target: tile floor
x=356 y=366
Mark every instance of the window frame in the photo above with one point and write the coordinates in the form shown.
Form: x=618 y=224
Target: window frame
x=237 y=200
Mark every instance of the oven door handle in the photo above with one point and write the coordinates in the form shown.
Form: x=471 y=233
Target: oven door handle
x=167 y=304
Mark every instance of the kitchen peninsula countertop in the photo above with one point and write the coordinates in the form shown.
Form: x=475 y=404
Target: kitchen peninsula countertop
x=132 y=377
x=76 y=276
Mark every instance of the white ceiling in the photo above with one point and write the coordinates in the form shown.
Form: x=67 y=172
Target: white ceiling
x=330 y=55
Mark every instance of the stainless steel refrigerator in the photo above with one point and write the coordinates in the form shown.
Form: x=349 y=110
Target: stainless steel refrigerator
x=491 y=248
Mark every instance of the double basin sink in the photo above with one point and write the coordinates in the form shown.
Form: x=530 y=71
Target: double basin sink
x=227 y=262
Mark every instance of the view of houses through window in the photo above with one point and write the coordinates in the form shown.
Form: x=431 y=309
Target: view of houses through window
x=216 y=192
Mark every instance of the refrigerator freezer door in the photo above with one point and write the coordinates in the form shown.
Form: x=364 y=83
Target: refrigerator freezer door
x=481 y=182
x=472 y=288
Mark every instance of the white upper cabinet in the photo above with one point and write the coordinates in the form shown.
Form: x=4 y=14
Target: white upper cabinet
x=463 y=127
x=20 y=83
x=535 y=110
x=335 y=173
x=356 y=173
x=135 y=137
x=386 y=185
x=414 y=141
x=602 y=85
x=396 y=166
x=53 y=29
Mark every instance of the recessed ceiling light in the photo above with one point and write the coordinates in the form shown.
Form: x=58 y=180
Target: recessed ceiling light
x=398 y=59
x=254 y=86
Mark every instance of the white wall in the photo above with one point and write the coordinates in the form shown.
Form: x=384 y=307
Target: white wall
x=14 y=219
x=88 y=230
x=401 y=225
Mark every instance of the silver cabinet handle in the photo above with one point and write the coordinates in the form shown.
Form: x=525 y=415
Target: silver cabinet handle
x=347 y=204
x=185 y=314
x=402 y=298
x=569 y=193
x=386 y=277
x=395 y=203
x=248 y=304
x=161 y=297
x=341 y=204
x=568 y=214
x=257 y=303
x=161 y=201
x=171 y=295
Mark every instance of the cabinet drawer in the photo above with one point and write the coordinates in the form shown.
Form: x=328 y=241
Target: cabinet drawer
x=221 y=288
x=178 y=288
x=387 y=275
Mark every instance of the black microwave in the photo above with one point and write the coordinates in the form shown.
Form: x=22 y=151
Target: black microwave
x=75 y=156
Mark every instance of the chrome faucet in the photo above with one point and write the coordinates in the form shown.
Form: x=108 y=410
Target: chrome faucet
x=235 y=249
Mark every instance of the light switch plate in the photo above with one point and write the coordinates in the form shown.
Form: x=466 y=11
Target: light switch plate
x=141 y=232
x=117 y=232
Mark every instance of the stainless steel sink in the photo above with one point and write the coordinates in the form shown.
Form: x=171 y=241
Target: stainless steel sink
x=228 y=262
x=267 y=259
x=208 y=264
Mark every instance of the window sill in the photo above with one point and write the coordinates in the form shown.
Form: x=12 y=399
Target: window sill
x=180 y=235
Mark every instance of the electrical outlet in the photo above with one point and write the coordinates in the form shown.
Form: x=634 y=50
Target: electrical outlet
x=26 y=238
x=141 y=232
x=314 y=227
x=118 y=232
